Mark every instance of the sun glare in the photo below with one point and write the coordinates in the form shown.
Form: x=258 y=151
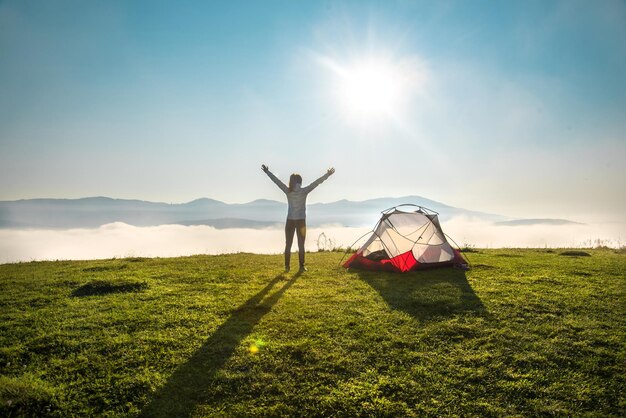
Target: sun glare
x=373 y=89
x=370 y=90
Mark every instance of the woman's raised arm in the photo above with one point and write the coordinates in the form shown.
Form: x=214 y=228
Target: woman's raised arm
x=320 y=180
x=275 y=179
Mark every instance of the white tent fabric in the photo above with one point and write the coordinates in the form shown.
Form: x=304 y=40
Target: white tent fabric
x=400 y=234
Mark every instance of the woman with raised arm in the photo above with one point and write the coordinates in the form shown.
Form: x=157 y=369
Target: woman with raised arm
x=296 y=215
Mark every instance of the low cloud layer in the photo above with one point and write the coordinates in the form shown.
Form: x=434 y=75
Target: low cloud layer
x=466 y=231
x=122 y=240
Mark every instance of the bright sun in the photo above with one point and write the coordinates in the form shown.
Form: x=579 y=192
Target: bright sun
x=373 y=89
x=370 y=90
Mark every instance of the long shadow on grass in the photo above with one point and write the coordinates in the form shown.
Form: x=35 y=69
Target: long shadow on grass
x=426 y=294
x=191 y=381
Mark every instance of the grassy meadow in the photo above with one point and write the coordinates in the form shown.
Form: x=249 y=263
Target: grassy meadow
x=524 y=332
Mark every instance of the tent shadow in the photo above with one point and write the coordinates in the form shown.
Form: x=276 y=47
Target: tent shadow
x=189 y=384
x=426 y=294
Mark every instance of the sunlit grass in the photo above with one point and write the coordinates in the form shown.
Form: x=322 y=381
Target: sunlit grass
x=525 y=332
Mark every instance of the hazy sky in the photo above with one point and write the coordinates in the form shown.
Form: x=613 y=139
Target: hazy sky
x=517 y=108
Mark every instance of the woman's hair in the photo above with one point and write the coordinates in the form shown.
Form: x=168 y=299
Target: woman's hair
x=293 y=180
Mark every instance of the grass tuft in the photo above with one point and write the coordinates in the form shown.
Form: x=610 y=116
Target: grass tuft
x=27 y=395
x=575 y=253
x=104 y=287
x=105 y=268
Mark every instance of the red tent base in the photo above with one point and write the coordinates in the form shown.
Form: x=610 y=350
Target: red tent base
x=401 y=264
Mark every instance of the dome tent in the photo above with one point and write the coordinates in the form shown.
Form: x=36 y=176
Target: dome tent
x=403 y=241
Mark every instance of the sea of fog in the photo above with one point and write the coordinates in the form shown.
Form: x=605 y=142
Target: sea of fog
x=118 y=240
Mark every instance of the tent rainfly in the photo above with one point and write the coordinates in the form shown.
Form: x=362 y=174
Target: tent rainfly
x=404 y=241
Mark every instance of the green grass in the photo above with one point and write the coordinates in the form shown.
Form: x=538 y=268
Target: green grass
x=524 y=332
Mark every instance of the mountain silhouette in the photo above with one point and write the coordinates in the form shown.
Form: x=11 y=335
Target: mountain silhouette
x=92 y=212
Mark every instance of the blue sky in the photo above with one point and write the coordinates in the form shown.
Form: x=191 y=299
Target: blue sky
x=516 y=108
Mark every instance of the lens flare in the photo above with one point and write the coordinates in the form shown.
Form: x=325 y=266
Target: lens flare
x=256 y=346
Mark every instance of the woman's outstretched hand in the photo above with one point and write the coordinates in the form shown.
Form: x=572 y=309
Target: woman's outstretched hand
x=330 y=171
x=264 y=168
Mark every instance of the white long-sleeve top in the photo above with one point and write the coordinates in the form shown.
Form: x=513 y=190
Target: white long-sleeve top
x=296 y=199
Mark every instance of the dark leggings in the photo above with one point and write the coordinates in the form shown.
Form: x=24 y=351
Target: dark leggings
x=299 y=227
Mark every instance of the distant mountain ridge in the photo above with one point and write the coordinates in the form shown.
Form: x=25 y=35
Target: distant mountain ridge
x=540 y=221
x=92 y=212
